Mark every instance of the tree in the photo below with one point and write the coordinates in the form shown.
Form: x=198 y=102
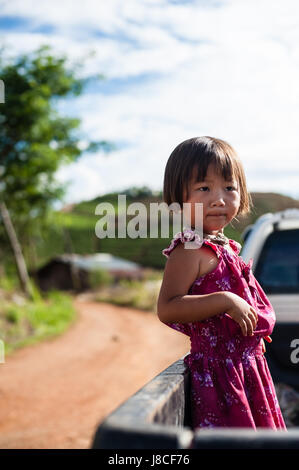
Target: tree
x=34 y=138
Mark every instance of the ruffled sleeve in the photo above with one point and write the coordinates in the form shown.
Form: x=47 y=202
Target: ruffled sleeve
x=185 y=236
x=236 y=246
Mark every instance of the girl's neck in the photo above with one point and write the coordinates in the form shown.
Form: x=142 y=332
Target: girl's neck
x=215 y=233
x=217 y=237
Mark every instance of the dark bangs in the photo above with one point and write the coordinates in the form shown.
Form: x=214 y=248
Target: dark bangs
x=192 y=158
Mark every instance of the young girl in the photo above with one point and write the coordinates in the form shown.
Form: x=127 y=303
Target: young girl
x=211 y=295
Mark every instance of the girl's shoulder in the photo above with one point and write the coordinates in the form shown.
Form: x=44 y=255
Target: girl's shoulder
x=191 y=239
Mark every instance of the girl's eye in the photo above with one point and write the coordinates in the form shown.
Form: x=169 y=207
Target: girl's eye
x=204 y=188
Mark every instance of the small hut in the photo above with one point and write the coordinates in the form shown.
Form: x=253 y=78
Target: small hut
x=71 y=271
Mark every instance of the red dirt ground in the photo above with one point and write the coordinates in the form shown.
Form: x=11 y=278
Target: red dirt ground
x=55 y=393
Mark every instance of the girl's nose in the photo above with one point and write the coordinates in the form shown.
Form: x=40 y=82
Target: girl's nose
x=218 y=201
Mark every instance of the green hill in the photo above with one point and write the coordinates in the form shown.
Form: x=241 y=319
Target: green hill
x=74 y=228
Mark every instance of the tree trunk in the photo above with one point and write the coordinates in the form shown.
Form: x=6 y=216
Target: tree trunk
x=69 y=249
x=19 y=259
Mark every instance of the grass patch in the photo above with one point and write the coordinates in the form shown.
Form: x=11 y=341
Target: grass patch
x=24 y=322
x=142 y=295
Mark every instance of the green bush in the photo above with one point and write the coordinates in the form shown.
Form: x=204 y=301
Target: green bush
x=141 y=295
x=99 y=278
x=8 y=283
x=29 y=321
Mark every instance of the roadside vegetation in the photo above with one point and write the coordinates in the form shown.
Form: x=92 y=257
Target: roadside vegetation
x=139 y=294
x=26 y=321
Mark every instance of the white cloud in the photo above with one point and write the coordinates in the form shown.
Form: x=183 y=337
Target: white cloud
x=230 y=72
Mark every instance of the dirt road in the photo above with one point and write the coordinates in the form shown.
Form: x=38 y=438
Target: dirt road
x=54 y=394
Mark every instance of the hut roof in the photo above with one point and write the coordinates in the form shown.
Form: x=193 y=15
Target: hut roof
x=99 y=261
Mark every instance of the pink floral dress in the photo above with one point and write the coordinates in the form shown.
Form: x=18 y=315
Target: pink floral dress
x=231 y=385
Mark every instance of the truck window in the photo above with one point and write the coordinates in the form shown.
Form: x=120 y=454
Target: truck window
x=277 y=269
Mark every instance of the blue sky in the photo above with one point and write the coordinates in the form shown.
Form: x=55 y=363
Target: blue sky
x=174 y=70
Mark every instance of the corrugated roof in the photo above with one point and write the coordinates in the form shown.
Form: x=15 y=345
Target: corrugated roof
x=100 y=261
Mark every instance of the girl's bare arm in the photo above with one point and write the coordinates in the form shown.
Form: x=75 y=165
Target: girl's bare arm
x=175 y=305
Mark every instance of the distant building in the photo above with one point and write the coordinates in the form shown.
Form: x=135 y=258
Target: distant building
x=71 y=271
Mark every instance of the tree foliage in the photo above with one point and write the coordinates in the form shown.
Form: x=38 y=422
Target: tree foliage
x=34 y=138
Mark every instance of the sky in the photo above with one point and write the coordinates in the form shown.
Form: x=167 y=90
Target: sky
x=173 y=70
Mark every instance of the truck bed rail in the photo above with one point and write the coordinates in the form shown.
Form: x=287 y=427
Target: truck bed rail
x=158 y=417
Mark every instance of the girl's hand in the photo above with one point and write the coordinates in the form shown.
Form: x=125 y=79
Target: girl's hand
x=243 y=313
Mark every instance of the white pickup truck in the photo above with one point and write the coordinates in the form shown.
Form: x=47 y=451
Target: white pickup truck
x=273 y=243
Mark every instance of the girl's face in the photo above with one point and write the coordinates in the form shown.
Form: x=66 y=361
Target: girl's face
x=220 y=199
